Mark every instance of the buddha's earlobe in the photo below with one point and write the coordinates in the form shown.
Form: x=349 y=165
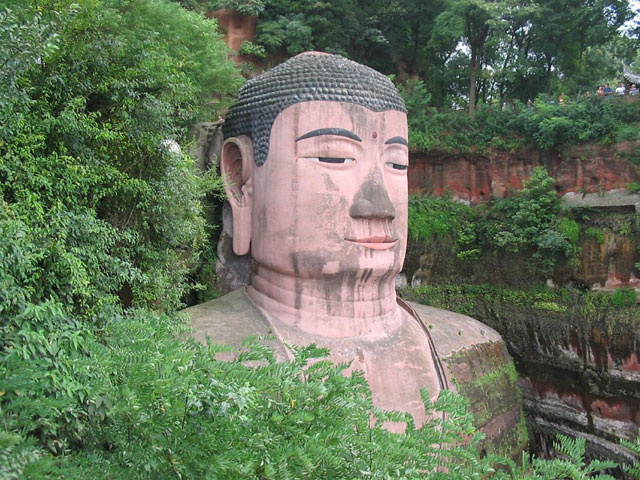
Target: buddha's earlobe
x=236 y=165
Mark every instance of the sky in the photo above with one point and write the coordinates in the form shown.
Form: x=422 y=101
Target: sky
x=635 y=5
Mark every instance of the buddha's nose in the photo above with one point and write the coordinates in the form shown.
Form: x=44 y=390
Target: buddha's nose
x=372 y=200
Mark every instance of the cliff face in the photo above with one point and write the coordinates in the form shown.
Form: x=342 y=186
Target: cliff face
x=579 y=377
x=579 y=368
x=605 y=262
x=577 y=360
x=237 y=28
x=477 y=177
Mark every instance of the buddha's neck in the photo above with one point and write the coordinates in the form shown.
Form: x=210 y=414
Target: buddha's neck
x=352 y=302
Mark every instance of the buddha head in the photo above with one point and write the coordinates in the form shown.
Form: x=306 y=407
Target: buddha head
x=315 y=166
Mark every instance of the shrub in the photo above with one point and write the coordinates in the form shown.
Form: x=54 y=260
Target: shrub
x=97 y=92
x=529 y=219
x=178 y=412
x=624 y=297
x=156 y=407
x=434 y=216
x=96 y=214
x=546 y=125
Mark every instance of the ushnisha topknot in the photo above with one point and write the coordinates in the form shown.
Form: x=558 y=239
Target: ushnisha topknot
x=306 y=77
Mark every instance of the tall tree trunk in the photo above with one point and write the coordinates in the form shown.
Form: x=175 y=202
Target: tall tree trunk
x=507 y=59
x=477 y=32
x=474 y=69
x=415 y=38
x=549 y=60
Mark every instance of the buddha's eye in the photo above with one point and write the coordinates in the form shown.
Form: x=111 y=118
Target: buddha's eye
x=336 y=160
x=397 y=166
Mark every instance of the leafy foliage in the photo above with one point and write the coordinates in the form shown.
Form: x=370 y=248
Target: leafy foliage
x=96 y=96
x=246 y=7
x=513 y=49
x=249 y=48
x=347 y=27
x=633 y=470
x=545 y=125
x=187 y=415
x=434 y=216
x=157 y=407
x=624 y=297
x=100 y=216
x=528 y=219
x=570 y=463
x=417 y=99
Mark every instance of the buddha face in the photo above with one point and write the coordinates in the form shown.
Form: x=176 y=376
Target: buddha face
x=331 y=199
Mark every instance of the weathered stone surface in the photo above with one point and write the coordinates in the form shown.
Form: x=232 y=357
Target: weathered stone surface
x=578 y=377
x=230 y=320
x=475 y=358
x=437 y=264
x=618 y=199
x=327 y=236
x=479 y=367
x=599 y=447
x=232 y=271
x=479 y=177
x=605 y=263
x=237 y=28
x=208 y=144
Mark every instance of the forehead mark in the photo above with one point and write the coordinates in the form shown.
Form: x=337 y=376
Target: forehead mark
x=340 y=132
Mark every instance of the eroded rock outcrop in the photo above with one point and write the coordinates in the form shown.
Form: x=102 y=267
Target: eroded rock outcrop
x=478 y=177
x=236 y=27
x=579 y=368
x=579 y=376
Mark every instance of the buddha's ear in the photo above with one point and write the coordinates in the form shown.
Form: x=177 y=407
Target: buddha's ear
x=236 y=164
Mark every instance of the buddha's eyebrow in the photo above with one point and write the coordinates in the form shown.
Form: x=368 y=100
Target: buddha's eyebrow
x=400 y=140
x=341 y=132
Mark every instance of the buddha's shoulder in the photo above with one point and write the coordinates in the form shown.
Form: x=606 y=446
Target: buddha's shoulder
x=479 y=367
x=454 y=332
x=228 y=320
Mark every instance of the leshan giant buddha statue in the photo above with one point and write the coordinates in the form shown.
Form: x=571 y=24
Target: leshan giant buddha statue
x=315 y=167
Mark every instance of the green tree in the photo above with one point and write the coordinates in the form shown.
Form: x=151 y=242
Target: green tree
x=96 y=214
x=563 y=46
x=465 y=51
x=529 y=218
x=346 y=27
x=473 y=22
x=408 y=27
x=100 y=89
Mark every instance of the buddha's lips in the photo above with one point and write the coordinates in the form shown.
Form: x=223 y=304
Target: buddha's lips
x=375 y=243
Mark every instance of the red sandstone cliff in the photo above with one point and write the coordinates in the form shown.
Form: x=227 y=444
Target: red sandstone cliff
x=477 y=177
x=237 y=28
